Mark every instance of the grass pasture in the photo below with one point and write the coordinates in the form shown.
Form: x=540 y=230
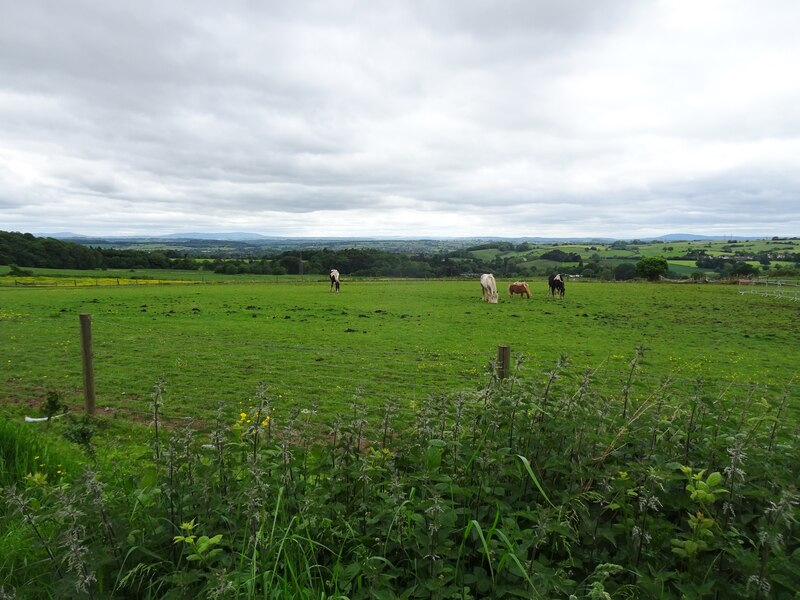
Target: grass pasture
x=553 y=483
x=399 y=340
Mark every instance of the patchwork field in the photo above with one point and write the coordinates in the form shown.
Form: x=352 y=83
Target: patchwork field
x=380 y=340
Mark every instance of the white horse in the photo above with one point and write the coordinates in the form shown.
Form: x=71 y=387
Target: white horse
x=489 y=287
x=335 y=280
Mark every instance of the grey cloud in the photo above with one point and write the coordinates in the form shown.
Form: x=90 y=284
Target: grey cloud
x=591 y=118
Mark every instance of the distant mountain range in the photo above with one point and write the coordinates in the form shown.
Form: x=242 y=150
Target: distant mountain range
x=686 y=237
x=234 y=236
x=239 y=236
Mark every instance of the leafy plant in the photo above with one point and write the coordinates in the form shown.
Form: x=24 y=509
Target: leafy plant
x=533 y=486
x=53 y=405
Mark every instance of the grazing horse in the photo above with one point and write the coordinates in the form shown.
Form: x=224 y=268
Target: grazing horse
x=556 y=283
x=489 y=288
x=519 y=287
x=335 y=280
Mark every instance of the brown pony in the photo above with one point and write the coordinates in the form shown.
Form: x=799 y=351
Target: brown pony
x=519 y=287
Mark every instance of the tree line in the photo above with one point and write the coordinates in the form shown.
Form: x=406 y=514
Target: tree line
x=27 y=250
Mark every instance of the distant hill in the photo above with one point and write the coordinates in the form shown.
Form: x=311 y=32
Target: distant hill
x=240 y=236
x=61 y=235
x=690 y=237
x=257 y=237
x=234 y=236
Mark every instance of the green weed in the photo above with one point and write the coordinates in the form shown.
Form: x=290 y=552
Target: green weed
x=538 y=486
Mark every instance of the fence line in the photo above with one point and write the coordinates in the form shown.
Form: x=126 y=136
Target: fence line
x=90 y=281
x=417 y=369
x=332 y=377
x=372 y=380
x=305 y=375
x=99 y=282
x=770 y=287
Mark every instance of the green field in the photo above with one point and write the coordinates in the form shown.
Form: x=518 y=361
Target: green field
x=680 y=255
x=383 y=340
x=671 y=475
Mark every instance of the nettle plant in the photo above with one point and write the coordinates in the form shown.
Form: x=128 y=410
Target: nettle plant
x=555 y=484
x=702 y=527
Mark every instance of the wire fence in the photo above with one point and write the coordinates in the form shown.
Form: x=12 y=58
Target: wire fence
x=93 y=281
x=208 y=367
x=330 y=382
x=109 y=281
x=787 y=289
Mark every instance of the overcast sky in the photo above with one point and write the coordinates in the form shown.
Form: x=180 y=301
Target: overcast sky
x=619 y=118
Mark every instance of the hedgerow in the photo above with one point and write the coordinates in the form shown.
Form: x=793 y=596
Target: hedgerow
x=537 y=486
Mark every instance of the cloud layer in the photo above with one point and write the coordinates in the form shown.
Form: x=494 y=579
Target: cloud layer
x=349 y=118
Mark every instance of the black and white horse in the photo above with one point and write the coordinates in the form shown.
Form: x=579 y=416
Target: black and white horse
x=556 y=283
x=335 y=280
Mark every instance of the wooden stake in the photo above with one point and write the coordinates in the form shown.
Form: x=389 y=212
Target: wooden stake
x=88 y=367
x=503 y=361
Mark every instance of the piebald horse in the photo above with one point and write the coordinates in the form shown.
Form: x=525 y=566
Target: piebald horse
x=556 y=283
x=489 y=288
x=519 y=287
x=335 y=280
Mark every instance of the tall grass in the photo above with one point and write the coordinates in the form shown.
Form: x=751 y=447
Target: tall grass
x=542 y=485
x=24 y=452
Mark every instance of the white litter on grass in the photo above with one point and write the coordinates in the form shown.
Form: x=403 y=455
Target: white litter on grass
x=40 y=419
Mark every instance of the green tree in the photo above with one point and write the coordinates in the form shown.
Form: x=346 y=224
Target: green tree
x=625 y=271
x=291 y=264
x=652 y=267
x=743 y=269
x=592 y=269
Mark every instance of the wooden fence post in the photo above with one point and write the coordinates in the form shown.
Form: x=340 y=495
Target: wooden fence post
x=88 y=368
x=503 y=361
